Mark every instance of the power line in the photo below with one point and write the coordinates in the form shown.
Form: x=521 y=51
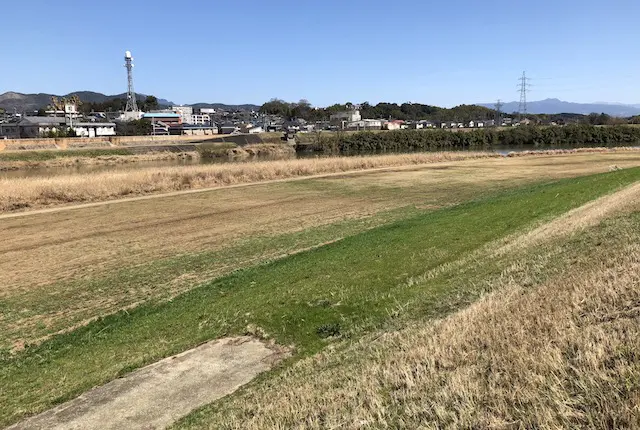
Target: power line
x=523 y=87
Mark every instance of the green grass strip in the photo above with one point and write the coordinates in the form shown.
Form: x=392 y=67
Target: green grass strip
x=348 y=287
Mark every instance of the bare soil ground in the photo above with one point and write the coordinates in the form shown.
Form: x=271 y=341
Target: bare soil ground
x=50 y=262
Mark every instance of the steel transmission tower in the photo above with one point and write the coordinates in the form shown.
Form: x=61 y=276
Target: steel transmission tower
x=132 y=106
x=499 y=105
x=523 y=87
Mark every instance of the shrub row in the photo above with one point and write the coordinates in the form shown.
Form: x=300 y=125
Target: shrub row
x=410 y=140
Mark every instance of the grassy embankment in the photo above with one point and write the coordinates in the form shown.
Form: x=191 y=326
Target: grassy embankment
x=346 y=289
x=52 y=154
x=35 y=192
x=33 y=159
x=555 y=345
x=46 y=191
x=56 y=268
x=53 y=158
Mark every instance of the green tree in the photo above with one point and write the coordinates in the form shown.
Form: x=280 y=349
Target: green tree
x=277 y=107
x=139 y=127
x=302 y=109
x=151 y=103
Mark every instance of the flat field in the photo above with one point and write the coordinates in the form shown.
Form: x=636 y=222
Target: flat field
x=90 y=293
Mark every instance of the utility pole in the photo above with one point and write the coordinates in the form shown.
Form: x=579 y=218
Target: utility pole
x=499 y=105
x=523 y=87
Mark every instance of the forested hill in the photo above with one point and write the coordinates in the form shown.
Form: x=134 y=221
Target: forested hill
x=32 y=102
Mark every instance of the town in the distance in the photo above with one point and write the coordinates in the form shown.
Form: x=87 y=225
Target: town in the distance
x=90 y=114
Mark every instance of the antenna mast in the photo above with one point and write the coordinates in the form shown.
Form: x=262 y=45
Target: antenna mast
x=132 y=106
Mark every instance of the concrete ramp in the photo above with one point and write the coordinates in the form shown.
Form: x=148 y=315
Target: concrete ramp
x=157 y=395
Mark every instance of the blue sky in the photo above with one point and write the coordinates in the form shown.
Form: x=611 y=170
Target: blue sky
x=441 y=52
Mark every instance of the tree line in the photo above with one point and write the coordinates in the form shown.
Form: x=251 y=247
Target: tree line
x=415 y=140
x=416 y=111
x=404 y=111
x=147 y=104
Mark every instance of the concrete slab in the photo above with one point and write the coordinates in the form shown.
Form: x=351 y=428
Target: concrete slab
x=157 y=395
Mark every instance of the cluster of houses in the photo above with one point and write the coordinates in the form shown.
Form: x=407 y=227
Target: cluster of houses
x=352 y=120
x=56 y=122
x=186 y=120
x=179 y=120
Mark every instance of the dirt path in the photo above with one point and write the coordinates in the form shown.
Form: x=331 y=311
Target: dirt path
x=53 y=261
x=208 y=189
x=157 y=395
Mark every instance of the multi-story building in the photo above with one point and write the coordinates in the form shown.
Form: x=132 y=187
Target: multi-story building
x=185 y=112
x=200 y=119
x=340 y=119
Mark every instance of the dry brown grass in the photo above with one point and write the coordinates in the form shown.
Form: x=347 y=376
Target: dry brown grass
x=35 y=192
x=599 y=150
x=45 y=191
x=271 y=151
x=44 y=255
x=560 y=355
x=98 y=160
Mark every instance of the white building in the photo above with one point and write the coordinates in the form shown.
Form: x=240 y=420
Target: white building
x=131 y=116
x=185 y=112
x=341 y=119
x=38 y=126
x=365 y=124
x=94 y=129
x=200 y=119
x=32 y=127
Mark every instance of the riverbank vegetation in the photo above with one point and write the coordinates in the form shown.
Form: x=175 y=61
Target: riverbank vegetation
x=232 y=151
x=30 y=192
x=526 y=136
x=46 y=155
x=53 y=158
x=73 y=158
x=427 y=265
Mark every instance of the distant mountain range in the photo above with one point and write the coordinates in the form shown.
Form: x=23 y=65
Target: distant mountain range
x=245 y=107
x=32 y=102
x=555 y=106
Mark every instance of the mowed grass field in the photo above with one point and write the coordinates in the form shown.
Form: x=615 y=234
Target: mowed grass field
x=60 y=270
x=553 y=344
x=305 y=263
